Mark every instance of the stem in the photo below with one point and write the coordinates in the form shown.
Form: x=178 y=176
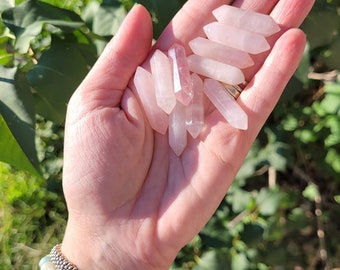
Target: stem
x=318 y=214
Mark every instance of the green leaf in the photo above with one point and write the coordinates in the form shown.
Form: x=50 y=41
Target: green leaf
x=213 y=259
x=310 y=192
x=333 y=159
x=290 y=123
x=162 y=12
x=305 y=135
x=17 y=126
x=252 y=233
x=27 y=20
x=212 y=241
x=11 y=152
x=104 y=19
x=331 y=101
x=239 y=200
x=297 y=219
x=58 y=73
x=268 y=201
x=276 y=153
x=239 y=262
x=249 y=165
x=337 y=199
x=333 y=124
x=5 y=4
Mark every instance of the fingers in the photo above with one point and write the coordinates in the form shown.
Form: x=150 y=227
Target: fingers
x=188 y=22
x=119 y=60
x=269 y=82
x=288 y=14
x=259 y=6
x=223 y=150
x=258 y=99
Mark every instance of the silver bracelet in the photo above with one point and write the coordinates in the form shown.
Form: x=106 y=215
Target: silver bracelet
x=59 y=260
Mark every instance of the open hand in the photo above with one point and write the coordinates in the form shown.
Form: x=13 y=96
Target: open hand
x=133 y=204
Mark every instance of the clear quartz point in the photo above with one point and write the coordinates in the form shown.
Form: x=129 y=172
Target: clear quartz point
x=236 y=38
x=177 y=129
x=245 y=19
x=219 y=52
x=216 y=70
x=226 y=104
x=162 y=74
x=181 y=74
x=145 y=88
x=195 y=109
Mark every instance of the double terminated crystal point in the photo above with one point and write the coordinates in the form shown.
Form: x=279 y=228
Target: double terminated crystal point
x=248 y=20
x=225 y=104
x=187 y=118
x=195 y=109
x=218 y=52
x=236 y=38
x=145 y=88
x=161 y=70
x=216 y=70
x=181 y=74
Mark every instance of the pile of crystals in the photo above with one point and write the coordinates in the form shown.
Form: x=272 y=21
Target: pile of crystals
x=172 y=94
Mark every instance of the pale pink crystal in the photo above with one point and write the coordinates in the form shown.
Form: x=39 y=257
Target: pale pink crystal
x=248 y=20
x=145 y=88
x=162 y=74
x=219 y=52
x=181 y=74
x=236 y=38
x=195 y=109
x=215 y=70
x=177 y=129
x=225 y=104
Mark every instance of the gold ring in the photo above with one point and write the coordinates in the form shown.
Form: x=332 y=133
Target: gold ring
x=234 y=90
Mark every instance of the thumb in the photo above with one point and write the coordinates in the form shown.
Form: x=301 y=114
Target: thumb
x=109 y=77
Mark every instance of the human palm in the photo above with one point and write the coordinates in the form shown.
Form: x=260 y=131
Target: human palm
x=132 y=202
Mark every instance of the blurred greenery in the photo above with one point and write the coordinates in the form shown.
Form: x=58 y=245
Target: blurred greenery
x=280 y=213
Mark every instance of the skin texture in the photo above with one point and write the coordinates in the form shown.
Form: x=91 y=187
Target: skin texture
x=133 y=204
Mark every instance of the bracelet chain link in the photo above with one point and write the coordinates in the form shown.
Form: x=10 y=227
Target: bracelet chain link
x=60 y=261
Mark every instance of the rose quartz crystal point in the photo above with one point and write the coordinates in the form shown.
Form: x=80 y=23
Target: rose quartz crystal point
x=161 y=70
x=215 y=70
x=145 y=88
x=248 y=20
x=195 y=109
x=177 y=129
x=225 y=104
x=216 y=51
x=181 y=74
x=236 y=38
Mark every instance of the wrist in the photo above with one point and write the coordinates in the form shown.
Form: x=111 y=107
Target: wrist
x=93 y=250
x=83 y=250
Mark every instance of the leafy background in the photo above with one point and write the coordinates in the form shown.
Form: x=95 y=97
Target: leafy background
x=282 y=212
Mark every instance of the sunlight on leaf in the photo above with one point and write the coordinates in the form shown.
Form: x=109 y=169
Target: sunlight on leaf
x=11 y=152
x=17 y=110
x=27 y=19
x=310 y=192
